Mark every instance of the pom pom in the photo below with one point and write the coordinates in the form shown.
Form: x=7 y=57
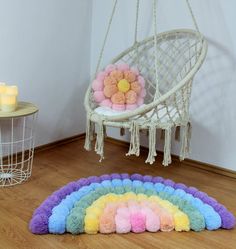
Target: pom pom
x=39 y=224
x=110 y=68
x=105 y=177
x=97 y=85
x=141 y=81
x=107 y=223
x=181 y=222
x=125 y=176
x=138 y=222
x=134 y=70
x=98 y=96
x=123 y=67
x=75 y=223
x=129 y=76
x=191 y=190
x=157 y=179
x=83 y=182
x=117 y=74
x=94 y=179
x=106 y=103
x=131 y=107
x=131 y=97
x=136 y=177
x=152 y=220
x=135 y=86
x=118 y=98
x=180 y=186
x=122 y=220
x=109 y=80
x=147 y=178
x=143 y=93
x=117 y=182
x=116 y=176
x=91 y=224
x=118 y=107
x=109 y=90
x=101 y=76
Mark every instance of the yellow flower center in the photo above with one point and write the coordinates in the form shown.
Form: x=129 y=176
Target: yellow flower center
x=123 y=85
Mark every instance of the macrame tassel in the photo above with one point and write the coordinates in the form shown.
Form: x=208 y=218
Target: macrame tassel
x=134 y=148
x=185 y=141
x=89 y=133
x=167 y=147
x=152 y=145
x=99 y=145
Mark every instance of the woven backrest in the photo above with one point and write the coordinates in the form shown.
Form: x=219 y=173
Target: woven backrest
x=177 y=54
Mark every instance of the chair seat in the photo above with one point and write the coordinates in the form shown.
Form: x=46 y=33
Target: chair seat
x=161 y=115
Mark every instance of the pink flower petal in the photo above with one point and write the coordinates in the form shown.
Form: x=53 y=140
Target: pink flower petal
x=99 y=96
x=123 y=67
x=106 y=103
x=141 y=80
x=97 y=85
x=131 y=106
x=134 y=70
x=101 y=75
x=118 y=107
x=143 y=93
x=140 y=101
x=110 y=68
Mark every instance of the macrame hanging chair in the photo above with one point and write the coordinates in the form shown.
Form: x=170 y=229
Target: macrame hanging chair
x=168 y=61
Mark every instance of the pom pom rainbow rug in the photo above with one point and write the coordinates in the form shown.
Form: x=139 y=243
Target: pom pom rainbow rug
x=125 y=203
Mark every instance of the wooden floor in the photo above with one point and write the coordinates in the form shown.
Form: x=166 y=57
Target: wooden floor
x=58 y=166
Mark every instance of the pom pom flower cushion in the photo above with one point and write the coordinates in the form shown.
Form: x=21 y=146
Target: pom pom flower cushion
x=122 y=203
x=119 y=87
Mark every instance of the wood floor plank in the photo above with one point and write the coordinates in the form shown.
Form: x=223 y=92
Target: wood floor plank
x=58 y=166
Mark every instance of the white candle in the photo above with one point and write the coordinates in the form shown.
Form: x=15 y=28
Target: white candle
x=2 y=87
x=2 y=90
x=8 y=102
x=13 y=90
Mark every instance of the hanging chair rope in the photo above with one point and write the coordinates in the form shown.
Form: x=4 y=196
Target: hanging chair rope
x=157 y=93
x=136 y=23
x=192 y=15
x=136 y=34
x=106 y=35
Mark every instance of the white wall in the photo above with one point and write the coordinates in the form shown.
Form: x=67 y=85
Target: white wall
x=45 y=50
x=213 y=99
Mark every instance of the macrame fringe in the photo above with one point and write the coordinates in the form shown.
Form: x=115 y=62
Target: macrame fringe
x=167 y=147
x=152 y=145
x=99 y=145
x=185 y=141
x=134 y=148
x=90 y=128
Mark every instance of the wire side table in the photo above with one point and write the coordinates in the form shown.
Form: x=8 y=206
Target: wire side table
x=17 y=136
